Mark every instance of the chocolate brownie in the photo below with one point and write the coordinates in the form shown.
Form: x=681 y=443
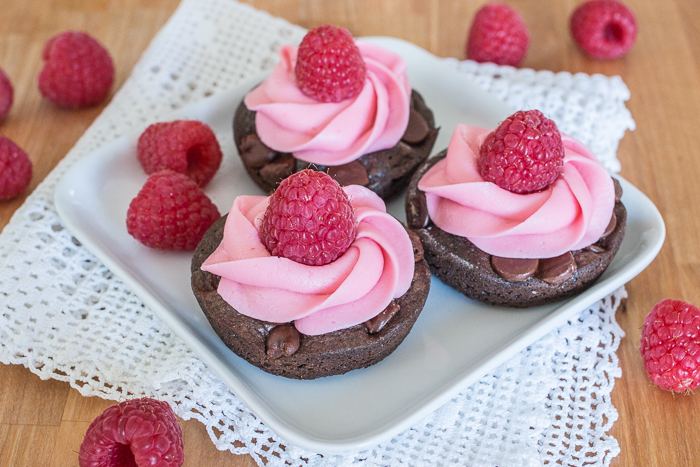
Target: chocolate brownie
x=511 y=282
x=386 y=172
x=281 y=350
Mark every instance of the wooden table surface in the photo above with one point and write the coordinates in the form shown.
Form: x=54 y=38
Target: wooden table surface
x=42 y=423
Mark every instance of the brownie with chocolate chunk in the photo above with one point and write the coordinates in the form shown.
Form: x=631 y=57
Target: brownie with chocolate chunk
x=281 y=350
x=507 y=281
x=386 y=172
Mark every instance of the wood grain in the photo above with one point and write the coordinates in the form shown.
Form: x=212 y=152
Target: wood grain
x=43 y=422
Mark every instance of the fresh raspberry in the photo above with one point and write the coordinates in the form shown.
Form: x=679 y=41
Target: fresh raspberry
x=670 y=345
x=6 y=95
x=309 y=219
x=170 y=212
x=498 y=34
x=604 y=29
x=185 y=146
x=15 y=169
x=524 y=154
x=329 y=67
x=78 y=71
x=133 y=433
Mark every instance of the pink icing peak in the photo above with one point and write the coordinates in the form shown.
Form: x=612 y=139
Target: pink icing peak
x=328 y=133
x=377 y=268
x=571 y=214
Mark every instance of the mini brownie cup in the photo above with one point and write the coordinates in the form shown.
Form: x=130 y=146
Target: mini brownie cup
x=500 y=281
x=281 y=350
x=339 y=106
x=498 y=210
x=386 y=172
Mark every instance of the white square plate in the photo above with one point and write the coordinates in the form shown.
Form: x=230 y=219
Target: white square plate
x=454 y=342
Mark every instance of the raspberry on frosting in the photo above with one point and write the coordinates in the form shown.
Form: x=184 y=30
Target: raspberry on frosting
x=309 y=219
x=78 y=71
x=524 y=154
x=329 y=66
x=184 y=146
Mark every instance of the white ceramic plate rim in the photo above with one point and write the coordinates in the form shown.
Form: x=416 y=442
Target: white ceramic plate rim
x=245 y=382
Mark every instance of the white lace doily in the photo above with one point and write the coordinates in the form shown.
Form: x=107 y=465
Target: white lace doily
x=64 y=316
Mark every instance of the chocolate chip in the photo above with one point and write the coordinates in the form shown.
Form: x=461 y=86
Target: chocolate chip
x=405 y=149
x=276 y=171
x=282 y=340
x=557 y=270
x=417 y=211
x=376 y=324
x=417 y=245
x=611 y=226
x=618 y=190
x=254 y=152
x=417 y=128
x=596 y=248
x=514 y=269
x=352 y=173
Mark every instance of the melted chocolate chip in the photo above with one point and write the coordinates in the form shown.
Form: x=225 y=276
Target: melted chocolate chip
x=276 y=171
x=618 y=190
x=352 y=173
x=405 y=149
x=417 y=211
x=282 y=340
x=417 y=245
x=514 y=269
x=254 y=152
x=611 y=226
x=596 y=248
x=376 y=324
x=557 y=270
x=417 y=128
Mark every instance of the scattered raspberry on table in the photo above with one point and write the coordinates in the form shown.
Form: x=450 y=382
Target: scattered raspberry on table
x=185 y=146
x=524 y=154
x=329 y=66
x=15 y=169
x=78 y=71
x=670 y=345
x=170 y=212
x=604 y=29
x=6 y=94
x=134 y=433
x=498 y=34
x=309 y=219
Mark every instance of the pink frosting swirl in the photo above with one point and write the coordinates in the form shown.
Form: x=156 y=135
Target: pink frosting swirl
x=570 y=214
x=333 y=133
x=377 y=268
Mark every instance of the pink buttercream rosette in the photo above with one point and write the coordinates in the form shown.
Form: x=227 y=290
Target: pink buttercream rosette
x=570 y=214
x=333 y=133
x=377 y=268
